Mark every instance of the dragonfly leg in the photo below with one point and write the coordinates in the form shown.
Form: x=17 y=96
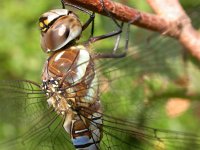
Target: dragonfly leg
x=116 y=47
x=110 y=34
x=117 y=32
x=91 y=14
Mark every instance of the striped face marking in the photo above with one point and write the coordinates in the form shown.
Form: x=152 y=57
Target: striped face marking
x=44 y=24
x=48 y=18
x=41 y=24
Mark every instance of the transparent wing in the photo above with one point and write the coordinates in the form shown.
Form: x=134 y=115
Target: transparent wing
x=26 y=120
x=121 y=134
x=134 y=94
x=135 y=91
x=140 y=88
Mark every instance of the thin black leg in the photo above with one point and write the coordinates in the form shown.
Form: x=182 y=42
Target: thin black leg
x=90 y=20
x=117 y=32
x=92 y=28
x=114 y=33
x=63 y=5
x=113 y=54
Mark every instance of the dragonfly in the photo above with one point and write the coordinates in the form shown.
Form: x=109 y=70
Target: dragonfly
x=68 y=111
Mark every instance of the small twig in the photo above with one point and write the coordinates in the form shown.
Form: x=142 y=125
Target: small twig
x=171 y=20
x=126 y=14
x=172 y=10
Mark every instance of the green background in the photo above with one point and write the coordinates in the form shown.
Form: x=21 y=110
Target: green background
x=22 y=58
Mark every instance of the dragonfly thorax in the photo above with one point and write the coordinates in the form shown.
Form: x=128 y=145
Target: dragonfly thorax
x=69 y=79
x=73 y=71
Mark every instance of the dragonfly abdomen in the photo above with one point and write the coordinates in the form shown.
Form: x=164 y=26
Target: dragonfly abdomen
x=86 y=135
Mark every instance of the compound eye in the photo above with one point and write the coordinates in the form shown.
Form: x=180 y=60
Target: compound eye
x=59 y=32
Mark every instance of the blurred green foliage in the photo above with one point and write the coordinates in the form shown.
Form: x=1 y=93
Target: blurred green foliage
x=20 y=52
x=22 y=58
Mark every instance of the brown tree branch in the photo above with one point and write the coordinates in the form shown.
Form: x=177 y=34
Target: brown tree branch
x=172 y=10
x=171 y=19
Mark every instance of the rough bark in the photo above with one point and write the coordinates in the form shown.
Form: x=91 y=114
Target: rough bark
x=170 y=19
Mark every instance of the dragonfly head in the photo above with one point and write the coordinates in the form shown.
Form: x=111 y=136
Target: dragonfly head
x=59 y=27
